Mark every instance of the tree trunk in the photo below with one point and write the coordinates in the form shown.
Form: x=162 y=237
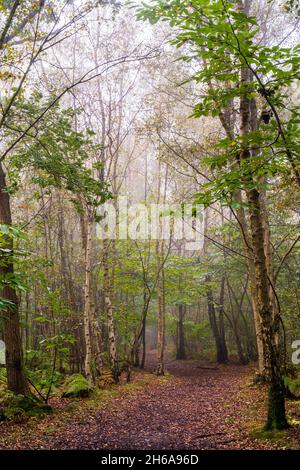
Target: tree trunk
x=87 y=315
x=270 y=323
x=234 y=325
x=263 y=366
x=251 y=354
x=276 y=406
x=181 y=354
x=228 y=118
x=140 y=337
x=160 y=370
x=110 y=315
x=16 y=379
x=224 y=355
x=221 y=354
x=135 y=351
x=144 y=320
x=96 y=344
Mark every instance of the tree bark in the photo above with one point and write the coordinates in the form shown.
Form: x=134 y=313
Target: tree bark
x=16 y=378
x=234 y=325
x=181 y=354
x=144 y=322
x=263 y=366
x=96 y=344
x=110 y=315
x=224 y=356
x=227 y=118
x=270 y=324
x=87 y=315
x=221 y=352
x=160 y=370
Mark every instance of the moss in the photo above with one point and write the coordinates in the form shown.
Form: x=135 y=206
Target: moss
x=276 y=407
x=292 y=384
x=79 y=409
x=18 y=406
x=274 y=435
x=76 y=386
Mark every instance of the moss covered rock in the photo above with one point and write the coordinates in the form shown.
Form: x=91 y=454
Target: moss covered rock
x=76 y=386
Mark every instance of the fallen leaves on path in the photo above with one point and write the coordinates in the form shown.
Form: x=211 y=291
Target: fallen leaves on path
x=197 y=408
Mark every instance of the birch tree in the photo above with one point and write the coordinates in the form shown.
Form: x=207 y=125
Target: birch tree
x=225 y=29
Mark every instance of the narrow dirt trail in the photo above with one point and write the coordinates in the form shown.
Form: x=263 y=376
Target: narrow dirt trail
x=196 y=409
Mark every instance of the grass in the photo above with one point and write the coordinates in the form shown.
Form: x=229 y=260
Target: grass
x=261 y=434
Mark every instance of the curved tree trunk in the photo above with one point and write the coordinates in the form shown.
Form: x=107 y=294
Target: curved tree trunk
x=269 y=321
x=276 y=406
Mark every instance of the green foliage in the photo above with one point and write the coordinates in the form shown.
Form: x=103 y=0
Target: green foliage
x=57 y=153
x=197 y=331
x=10 y=235
x=44 y=378
x=12 y=232
x=19 y=406
x=220 y=41
x=292 y=6
x=76 y=386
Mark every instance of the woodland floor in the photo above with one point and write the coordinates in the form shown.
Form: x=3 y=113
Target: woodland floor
x=196 y=406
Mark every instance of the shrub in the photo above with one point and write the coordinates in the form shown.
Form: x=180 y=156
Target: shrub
x=16 y=406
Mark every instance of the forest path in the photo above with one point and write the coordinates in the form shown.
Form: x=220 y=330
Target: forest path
x=197 y=408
